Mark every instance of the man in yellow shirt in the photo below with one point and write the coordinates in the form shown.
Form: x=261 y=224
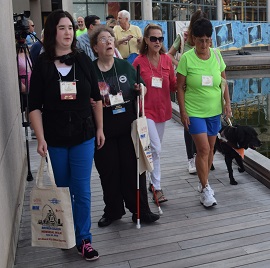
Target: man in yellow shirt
x=128 y=37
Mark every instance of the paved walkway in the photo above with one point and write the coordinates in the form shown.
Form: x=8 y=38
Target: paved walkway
x=256 y=60
x=235 y=233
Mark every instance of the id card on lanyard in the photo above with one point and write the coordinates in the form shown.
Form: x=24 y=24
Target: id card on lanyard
x=156 y=82
x=117 y=102
x=68 y=89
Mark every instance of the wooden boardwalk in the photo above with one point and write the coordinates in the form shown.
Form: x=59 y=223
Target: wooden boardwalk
x=235 y=233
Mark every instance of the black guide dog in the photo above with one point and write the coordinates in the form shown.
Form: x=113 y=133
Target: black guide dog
x=232 y=141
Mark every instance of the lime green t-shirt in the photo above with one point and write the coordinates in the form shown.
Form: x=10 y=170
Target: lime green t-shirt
x=200 y=100
x=80 y=32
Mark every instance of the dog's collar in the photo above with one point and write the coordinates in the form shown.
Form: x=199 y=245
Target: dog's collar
x=223 y=138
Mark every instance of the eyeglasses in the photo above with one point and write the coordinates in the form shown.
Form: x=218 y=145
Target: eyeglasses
x=104 y=40
x=33 y=25
x=202 y=41
x=154 y=39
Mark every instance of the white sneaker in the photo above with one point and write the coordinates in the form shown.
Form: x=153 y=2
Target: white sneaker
x=206 y=198
x=209 y=187
x=191 y=166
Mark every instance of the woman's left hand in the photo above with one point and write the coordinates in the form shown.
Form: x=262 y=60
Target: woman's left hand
x=100 y=138
x=228 y=111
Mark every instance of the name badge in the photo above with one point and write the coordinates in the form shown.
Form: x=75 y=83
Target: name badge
x=116 y=99
x=68 y=90
x=207 y=80
x=156 y=82
x=118 y=109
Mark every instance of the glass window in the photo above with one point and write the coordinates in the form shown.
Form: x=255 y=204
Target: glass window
x=79 y=10
x=156 y=11
x=245 y=10
x=97 y=9
x=165 y=13
x=162 y=10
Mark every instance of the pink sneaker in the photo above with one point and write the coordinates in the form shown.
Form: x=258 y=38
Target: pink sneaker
x=86 y=250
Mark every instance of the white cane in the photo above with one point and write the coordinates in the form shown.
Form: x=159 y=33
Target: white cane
x=138 y=154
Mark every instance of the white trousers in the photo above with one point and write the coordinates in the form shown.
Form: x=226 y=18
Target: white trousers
x=156 y=132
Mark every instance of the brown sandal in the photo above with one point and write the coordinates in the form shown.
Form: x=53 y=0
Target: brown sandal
x=159 y=196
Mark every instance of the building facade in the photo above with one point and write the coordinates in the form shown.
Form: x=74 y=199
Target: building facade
x=177 y=10
x=169 y=10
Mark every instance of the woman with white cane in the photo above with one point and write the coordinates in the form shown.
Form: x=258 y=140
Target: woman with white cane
x=116 y=161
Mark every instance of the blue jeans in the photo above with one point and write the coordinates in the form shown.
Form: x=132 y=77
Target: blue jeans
x=72 y=168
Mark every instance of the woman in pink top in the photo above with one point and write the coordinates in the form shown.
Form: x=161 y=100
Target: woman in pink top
x=158 y=74
x=24 y=65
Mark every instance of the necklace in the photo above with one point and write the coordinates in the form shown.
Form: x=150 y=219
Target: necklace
x=154 y=61
x=156 y=67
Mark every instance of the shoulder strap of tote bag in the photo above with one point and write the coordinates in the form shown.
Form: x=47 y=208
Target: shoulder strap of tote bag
x=217 y=57
x=40 y=173
x=182 y=43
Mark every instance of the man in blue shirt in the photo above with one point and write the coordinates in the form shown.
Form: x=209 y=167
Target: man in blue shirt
x=83 y=41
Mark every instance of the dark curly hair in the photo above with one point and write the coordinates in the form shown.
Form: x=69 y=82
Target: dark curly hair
x=50 y=31
x=202 y=27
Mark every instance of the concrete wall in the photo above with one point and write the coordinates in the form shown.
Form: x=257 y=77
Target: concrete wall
x=12 y=149
x=46 y=5
x=19 y=6
x=35 y=8
x=67 y=5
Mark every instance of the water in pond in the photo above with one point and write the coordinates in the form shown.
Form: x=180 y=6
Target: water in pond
x=250 y=100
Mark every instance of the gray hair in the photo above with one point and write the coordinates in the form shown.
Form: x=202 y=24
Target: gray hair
x=125 y=14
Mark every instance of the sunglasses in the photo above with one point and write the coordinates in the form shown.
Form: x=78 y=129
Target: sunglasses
x=33 y=25
x=154 y=39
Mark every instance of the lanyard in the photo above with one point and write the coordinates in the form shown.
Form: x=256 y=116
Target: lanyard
x=74 y=79
x=119 y=90
x=160 y=66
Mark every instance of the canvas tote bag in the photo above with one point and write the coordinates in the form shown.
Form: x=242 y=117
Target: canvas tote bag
x=141 y=139
x=51 y=213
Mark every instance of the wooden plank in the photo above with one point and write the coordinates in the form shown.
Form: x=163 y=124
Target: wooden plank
x=235 y=232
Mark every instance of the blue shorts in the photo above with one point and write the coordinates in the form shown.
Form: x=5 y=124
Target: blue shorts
x=210 y=125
